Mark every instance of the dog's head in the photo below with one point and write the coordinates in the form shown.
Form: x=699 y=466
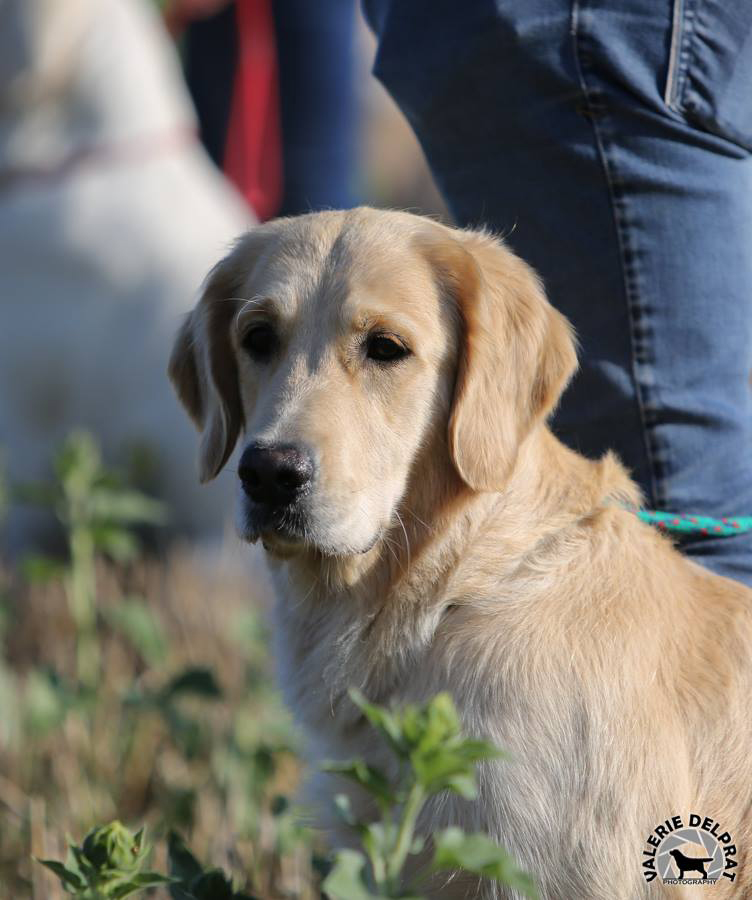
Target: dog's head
x=344 y=344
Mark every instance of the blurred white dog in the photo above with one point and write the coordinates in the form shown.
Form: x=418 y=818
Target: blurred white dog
x=110 y=214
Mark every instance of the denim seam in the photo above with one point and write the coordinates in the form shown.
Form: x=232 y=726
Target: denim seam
x=595 y=109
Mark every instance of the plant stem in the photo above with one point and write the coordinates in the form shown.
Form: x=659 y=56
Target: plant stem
x=83 y=605
x=405 y=833
x=378 y=867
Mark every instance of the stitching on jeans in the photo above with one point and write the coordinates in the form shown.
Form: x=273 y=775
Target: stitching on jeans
x=595 y=105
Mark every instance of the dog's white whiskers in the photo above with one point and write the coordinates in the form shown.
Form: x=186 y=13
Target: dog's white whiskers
x=420 y=521
x=388 y=543
x=407 y=539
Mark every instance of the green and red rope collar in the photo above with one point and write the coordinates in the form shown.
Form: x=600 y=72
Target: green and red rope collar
x=702 y=525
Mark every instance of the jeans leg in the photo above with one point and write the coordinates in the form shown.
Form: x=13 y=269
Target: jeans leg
x=316 y=47
x=600 y=138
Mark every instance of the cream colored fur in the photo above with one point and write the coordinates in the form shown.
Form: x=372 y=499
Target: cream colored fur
x=453 y=543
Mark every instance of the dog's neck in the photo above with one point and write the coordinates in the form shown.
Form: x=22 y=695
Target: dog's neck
x=439 y=517
x=365 y=621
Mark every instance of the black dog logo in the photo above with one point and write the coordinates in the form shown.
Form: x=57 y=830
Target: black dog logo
x=689 y=863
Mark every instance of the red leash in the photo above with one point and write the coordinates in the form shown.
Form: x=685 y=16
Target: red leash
x=253 y=151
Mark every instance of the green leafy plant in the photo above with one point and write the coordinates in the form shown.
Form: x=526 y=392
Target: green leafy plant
x=191 y=881
x=107 y=865
x=188 y=732
x=181 y=727
x=135 y=621
x=432 y=756
x=98 y=515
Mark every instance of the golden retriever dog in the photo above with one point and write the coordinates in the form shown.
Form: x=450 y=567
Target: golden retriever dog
x=391 y=380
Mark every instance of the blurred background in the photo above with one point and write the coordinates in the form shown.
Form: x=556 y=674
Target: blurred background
x=137 y=139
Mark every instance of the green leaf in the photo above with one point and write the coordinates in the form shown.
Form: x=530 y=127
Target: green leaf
x=453 y=766
x=344 y=810
x=139 y=883
x=115 y=541
x=126 y=506
x=45 y=702
x=86 y=869
x=461 y=783
x=477 y=750
x=347 y=880
x=197 y=680
x=183 y=865
x=477 y=853
x=190 y=881
x=69 y=878
x=383 y=720
x=442 y=758
x=368 y=777
x=138 y=841
x=136 y=622
x=79 y=458
x=441 y=720
x=212 y=885
x=445 y=770
x=114 y=849
x=378 y=838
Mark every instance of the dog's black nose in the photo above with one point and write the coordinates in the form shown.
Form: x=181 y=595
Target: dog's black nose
x=274 y=475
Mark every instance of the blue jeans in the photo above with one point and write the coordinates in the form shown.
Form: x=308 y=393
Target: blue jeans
x=610 y=143
x=316 y=47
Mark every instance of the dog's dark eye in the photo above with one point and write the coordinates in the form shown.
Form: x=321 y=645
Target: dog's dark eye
x=385 y=349
x=260 y=342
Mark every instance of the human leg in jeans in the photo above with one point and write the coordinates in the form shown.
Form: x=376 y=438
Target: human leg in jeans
x=610 y=142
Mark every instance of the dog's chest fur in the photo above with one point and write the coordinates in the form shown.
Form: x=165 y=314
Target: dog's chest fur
x=401 y=653
x=327 y=644
x=520 y=689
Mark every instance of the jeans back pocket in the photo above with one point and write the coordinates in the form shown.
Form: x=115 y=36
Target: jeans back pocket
x=709 y=82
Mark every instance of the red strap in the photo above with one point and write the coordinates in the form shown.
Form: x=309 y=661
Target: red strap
x=253 y=151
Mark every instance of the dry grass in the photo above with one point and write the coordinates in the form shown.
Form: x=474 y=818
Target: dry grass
x=209 y=766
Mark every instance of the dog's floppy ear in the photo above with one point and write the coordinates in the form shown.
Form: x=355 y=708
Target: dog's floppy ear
x=203 y=366
x=516 y=356
x=184 y=373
